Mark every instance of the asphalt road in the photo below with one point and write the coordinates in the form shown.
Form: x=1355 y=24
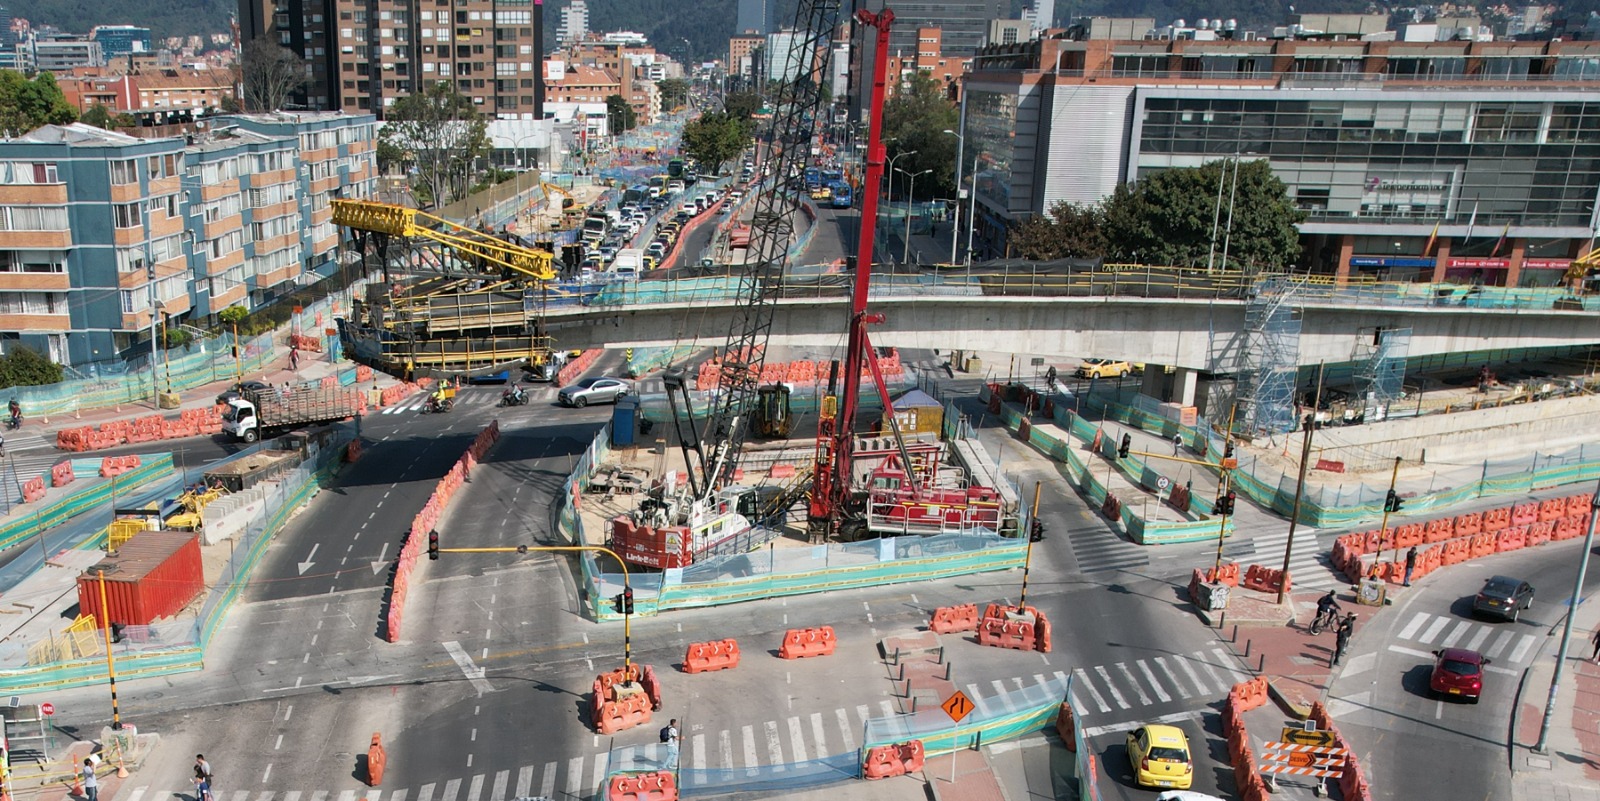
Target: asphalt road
x=1382 y=701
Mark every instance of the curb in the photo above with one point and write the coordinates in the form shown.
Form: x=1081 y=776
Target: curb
x=1294 y=710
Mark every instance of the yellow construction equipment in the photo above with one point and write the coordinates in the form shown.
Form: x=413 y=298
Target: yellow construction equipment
x=387 y=218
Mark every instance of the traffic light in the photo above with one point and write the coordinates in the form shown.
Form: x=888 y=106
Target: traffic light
x=1391 y=502
x=433 y=545
x=1036 y=530
x=617 y=603
x=627 y=599
x=1224 y=505
x=1127 y=442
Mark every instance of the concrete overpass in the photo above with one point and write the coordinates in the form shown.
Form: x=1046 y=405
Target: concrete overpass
x=1208 y=334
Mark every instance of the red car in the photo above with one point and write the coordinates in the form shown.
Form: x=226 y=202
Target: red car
x=1458 y=671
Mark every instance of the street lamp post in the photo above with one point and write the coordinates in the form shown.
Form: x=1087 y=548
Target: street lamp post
x=911 y=188
x=961 y=152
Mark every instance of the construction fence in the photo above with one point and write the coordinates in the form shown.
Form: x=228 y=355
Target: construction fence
x=177 y=644
x=1353 y=502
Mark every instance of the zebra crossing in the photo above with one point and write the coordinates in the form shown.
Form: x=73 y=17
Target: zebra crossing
x=1501 y=643
x=1099 y=549
x=1309 y=568
x=470 y=398
x=1108 y=695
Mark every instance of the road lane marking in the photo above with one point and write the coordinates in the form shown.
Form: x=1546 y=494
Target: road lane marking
x=1227 y=663
x=1477 y=639
x=524 y=782
x=1155 y=685
x=473 y=673
x=725 y=748
x=818 y=735
x=1413 y=624
x=750 y=759
x=501 y=779
x=888 y=709
x=1433 y=630
x=1161 y=662
x=698 y=744
x=797 y=739
x=425 y=792
x=599 y=777
x=977 y=699
x=1116 y=695
x=1193 y=714
x=547 y=787
x=1522 y=648
x=1411 y=652
x=1188 y=670
x=774 y=745
x=844 y=729
x=451 y=789
x=1144 y=700
x=1084 y=682
x=474 y=790
x=1456 y=634
x=1216 y=679
x=574 y=777
x=1500 y=643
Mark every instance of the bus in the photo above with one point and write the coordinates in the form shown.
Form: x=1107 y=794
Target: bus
x=675 y=168
x=842 y=197
x=636 y=194
x=658 y=186
x=831 y=177
x=813 y=178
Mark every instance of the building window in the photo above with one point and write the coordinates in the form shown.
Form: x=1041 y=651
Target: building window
x=127 y=215
x=33 y=218
x=33 y=303
x=24 y=173
x=130 y=260
x=123 y=172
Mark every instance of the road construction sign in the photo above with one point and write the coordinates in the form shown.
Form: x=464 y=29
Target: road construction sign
x=1298 y=736
x=1288 y=759
x=957 y=706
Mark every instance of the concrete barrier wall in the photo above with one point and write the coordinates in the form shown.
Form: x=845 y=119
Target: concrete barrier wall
x=227 y=516
x=1457 y=437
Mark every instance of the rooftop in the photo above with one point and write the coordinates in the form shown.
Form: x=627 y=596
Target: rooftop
x=76 y=133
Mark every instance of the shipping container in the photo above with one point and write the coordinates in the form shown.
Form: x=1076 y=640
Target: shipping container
x=153 y=575
x=247 y=471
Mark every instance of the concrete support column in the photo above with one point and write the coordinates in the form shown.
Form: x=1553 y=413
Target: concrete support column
x=1519 y=250
x=1185 y=381
x=1152 y=383
x=1441 y=259
x=1341 y=271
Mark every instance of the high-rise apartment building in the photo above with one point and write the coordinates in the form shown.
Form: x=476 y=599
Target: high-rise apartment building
x=574 y=22
x=363 y=55
x=121 y=40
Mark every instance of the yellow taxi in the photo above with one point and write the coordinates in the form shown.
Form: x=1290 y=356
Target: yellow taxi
x=1108 y=368
x=1160 y=757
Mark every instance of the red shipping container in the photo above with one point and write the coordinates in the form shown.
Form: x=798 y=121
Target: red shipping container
x=153 y=575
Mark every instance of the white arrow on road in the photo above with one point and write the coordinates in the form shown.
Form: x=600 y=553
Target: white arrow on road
x=306 y=565
x=378 y=566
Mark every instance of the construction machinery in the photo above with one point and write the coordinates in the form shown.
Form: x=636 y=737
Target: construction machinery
x=464 y=299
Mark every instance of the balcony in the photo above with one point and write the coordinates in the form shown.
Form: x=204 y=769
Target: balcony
x=216 y=228
x=34 y=195
x=35 y=322
x=35 y=282
x=224 y=263
x=234 y=293
x=35 y=240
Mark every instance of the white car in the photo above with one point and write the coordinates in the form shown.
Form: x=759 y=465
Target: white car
x=601 y=389
x=1185 y=795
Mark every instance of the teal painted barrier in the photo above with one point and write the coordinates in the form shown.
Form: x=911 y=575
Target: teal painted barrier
x=1076 y=471
x=89 y=494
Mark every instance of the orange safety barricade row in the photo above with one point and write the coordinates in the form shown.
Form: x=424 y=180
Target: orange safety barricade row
x=1570 y=526
x=1410 y=535
x=1439 y=530
x=571 y=370
x=1578 y=504
x=1248 y=695
x=800 y=643
x=61 y=475
x=1024 y=629
x=1512 y=538
x=656 y=786
x=1539 y=533
x=1552 y=510
x=1524 y=513
x=886 y=761
x=623 y=713
x=1484 y=544
x=117 y=465
x=714 y=655
x=1496 y=519
x=949 y=619
x=1227 y=574
x=1469 y=524
x=1264 y=579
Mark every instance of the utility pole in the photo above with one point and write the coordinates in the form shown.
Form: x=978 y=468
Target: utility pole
x=111 y=660
x=1300 y=485
x=1566 y=630
x=1027 y=559
x=1391 y=503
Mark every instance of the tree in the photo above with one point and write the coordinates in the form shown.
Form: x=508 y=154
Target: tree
x=1168 y=218
x=25 y=367
x=674 y=93
x=621 y=115
x=713 y=139
x=443 y=135
x=27 y=104
x=741 y=105
x=916 y=118
x=1069 y=231
x=101 y=117
x=270 y=74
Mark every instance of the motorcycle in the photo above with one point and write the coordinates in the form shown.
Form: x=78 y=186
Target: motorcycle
x=437 y=406
x=513 y=398
x=14 y=422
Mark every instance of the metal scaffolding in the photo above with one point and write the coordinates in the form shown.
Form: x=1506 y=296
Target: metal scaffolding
x=1380 y=357
x=1269 y=360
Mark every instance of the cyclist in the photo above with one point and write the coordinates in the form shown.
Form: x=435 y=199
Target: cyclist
x=1327 y=612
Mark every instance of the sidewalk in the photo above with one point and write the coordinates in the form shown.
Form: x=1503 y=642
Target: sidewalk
x=1571 y=767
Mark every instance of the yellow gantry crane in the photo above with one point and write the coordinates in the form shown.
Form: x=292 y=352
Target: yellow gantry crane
x=387 y=218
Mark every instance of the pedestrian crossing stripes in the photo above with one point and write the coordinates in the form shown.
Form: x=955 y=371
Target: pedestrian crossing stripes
x=776 y=745
x=1502 y=643
x=470 y=399
x=1309 y=566
x=1099 y=550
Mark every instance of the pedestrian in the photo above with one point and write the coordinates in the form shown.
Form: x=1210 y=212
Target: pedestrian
x=669 y=735
x=1342 y=639
x=294 y=358
x=202 y=778
x=1177 y=443
x=1411 y=564
x=1595 y=657
x=91 y=783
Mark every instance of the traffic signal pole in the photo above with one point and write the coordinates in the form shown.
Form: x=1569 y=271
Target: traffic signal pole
x=1027 y=561
x=627 y=585
x=1391 y=503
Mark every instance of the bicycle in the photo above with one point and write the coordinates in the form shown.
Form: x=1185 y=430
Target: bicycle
x=1327 y=620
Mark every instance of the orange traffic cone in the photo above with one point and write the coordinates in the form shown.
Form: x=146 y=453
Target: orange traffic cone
x=77 y=786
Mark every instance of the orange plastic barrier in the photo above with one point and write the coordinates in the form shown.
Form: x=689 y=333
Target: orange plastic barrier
x=1496 y=519
x=1484 y=544
x=1227 y=574
x=1523 y=514
x=33 y=489
x=801 y=643
x=1458 y=550
x=624 y=713
x=117 y=465
x=1540 y=533
x=1024 y=629
x=714 y=655
x=1469 y=524
x=1248 y=695
x=886 y=761
x=1064 y=727
x=949 y=619
x=1264 y=579
x=1439 y=530
x=657 y=786
x=1552 y=510
x=1513 y=538
x=61 y=475
x=1578 y=504
x=1570 y=526
x=376 y=760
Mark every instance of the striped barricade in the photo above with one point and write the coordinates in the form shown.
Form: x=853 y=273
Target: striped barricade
x=1291 y=759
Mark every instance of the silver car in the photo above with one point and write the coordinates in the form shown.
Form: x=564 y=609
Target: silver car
x=600 y=389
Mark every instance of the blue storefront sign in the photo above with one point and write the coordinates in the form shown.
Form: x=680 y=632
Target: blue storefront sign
x=1389 y=261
